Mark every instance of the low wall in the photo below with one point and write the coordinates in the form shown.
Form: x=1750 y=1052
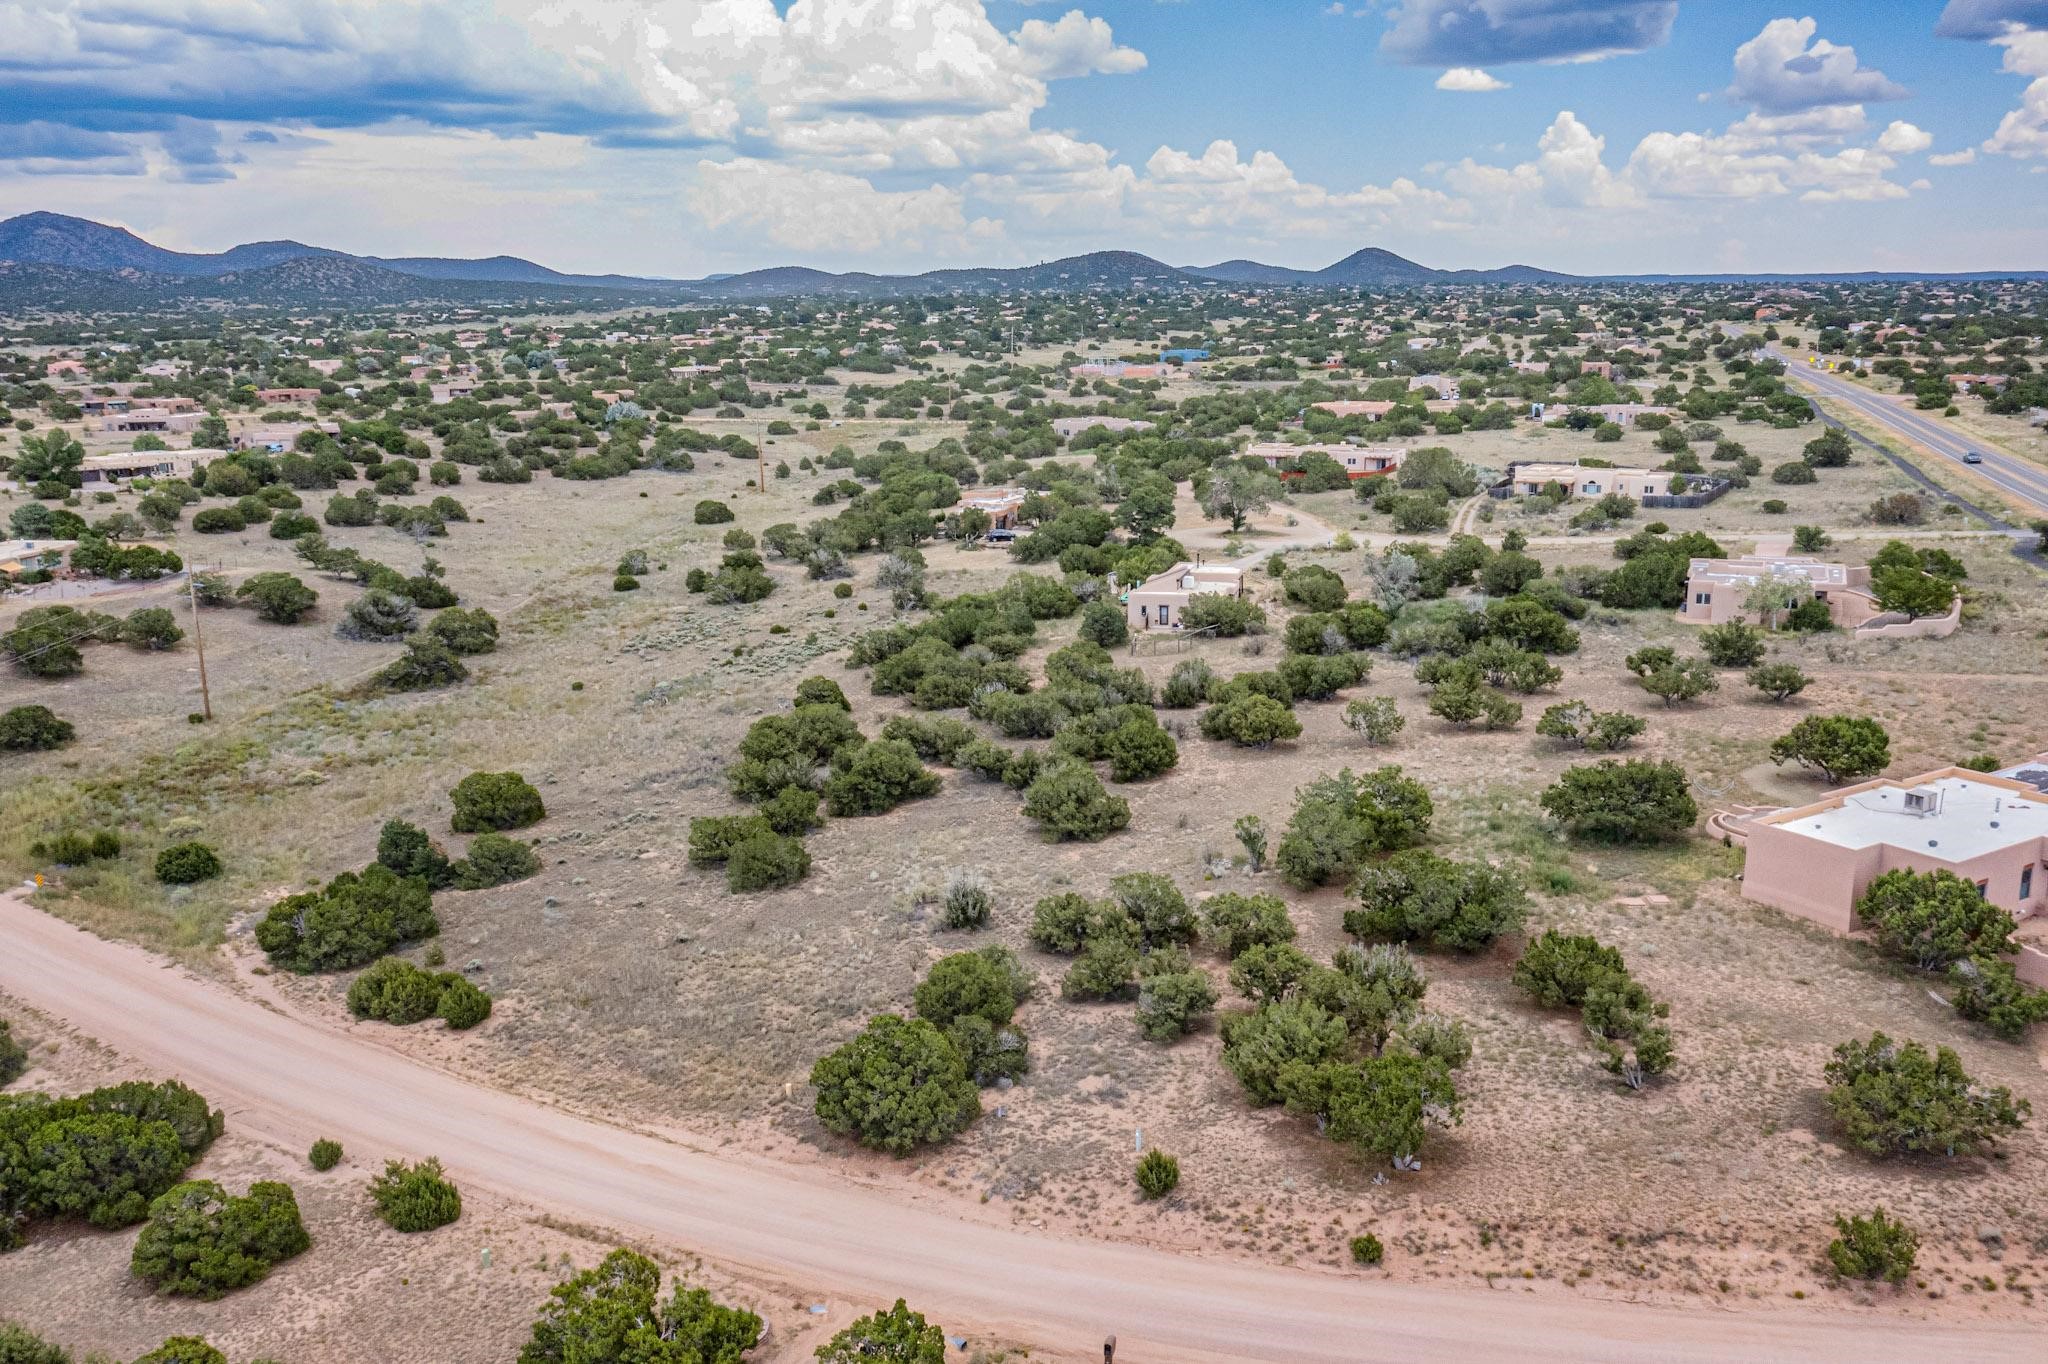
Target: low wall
x=2031 y=966
x=1896 y=625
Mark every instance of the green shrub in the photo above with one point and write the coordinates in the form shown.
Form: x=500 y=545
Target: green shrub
x=465 y=631
x=897 y=1086
x=1930 y=920
x=495 y=800
x=414 y=1198
x=1417 y=896
x=821 y=691
x=988 y=984
x=352 y=921
x=1103 y=970
x=1367 y=1250
x=1068 y=802
x=1635 y=801
x=325 y=1155
x=766 y=861
x=182 y=864
x=1236 y=923
x=33 y=729
x=614 y=1313
x=410 y=851
x=1250 y=721
x=495 y=860
x=1873 y=1247
x=1173 y=998
x=711 y=513
x=966 y=902
x=898 y=1336
x=393 y=990
x=713 y=837
x=1341 y=821
x=1103 y=623
x=463 y=1005
x=19 y=1345
x=13 y=1056
x=279 y=598
x=1897 y=1099
x=102 y=1156
x=880 y=776
x=200 y=1242
x=1158 y=1174
x=990 y=1052
x=425 y=665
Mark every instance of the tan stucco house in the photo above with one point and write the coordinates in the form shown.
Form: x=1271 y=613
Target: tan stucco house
x=1157 y=602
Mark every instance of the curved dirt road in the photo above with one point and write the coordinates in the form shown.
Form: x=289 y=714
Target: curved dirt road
x=290 y=1081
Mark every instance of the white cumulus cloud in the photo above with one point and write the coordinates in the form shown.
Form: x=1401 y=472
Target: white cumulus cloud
x=1469 y=80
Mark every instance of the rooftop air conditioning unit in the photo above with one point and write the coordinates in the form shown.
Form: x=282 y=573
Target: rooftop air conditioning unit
x=1923 y=800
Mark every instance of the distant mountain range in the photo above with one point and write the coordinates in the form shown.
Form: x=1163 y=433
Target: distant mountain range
x=49 y=260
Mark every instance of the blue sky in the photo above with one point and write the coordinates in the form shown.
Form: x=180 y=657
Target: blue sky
x=683 y=136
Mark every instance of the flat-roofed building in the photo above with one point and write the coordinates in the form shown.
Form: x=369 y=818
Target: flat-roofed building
x=105 y=471
x=33 y=556
x=287 y=395
x=1066 y=428
x=1818 y=860
x=1359 y=461
x=1583 y=480
x=1159 y=602
x=1718 y=590
x=152 y=419
x=1001 y=505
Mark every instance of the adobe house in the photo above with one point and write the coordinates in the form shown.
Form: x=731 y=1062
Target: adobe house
x=1817 y=860
x=106 y=471
x=1529 y=480
x=1158 y=602
x=1000 y=504
x=1716 y=591
x=1359 y=461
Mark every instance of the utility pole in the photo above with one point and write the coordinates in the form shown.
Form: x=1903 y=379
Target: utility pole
x=199 y=644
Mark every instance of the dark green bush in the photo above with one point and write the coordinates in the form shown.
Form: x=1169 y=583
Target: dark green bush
x=325 y=1155
x=1367 y=1250
x=766 y=861
x=182 y=864
x=201 y=1242
x=495 y=860
x=897 y=1086
x=352 y=921
x=32 y=729
x=1158 y=1174
x=415 y=1197
x=495 y=800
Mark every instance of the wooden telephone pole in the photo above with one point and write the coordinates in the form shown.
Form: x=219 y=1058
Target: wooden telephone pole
x=199 y=644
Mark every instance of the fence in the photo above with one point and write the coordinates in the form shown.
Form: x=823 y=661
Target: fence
x=1168 y=642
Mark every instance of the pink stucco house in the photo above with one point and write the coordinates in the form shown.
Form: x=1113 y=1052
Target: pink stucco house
x=1717 y=591
x=1817 y=860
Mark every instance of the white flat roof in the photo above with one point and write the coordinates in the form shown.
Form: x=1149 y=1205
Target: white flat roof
x=1972 y=818
x=1750 y=570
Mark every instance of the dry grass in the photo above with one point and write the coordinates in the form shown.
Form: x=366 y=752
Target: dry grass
x=632 y=983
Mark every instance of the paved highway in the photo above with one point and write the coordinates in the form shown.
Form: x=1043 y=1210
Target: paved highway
x=2026 y=483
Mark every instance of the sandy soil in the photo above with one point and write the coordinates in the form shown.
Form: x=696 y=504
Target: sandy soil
x=287 y=1081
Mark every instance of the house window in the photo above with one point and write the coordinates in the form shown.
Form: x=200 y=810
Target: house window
x=1983 y=890
x=2027 y=882
x=1162 y=615
x=1702 y=599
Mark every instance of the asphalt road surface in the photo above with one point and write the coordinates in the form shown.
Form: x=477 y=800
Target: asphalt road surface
x=2022 y=480
x=290 y=1080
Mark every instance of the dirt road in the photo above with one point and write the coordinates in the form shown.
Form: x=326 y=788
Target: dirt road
x=289 y=1080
